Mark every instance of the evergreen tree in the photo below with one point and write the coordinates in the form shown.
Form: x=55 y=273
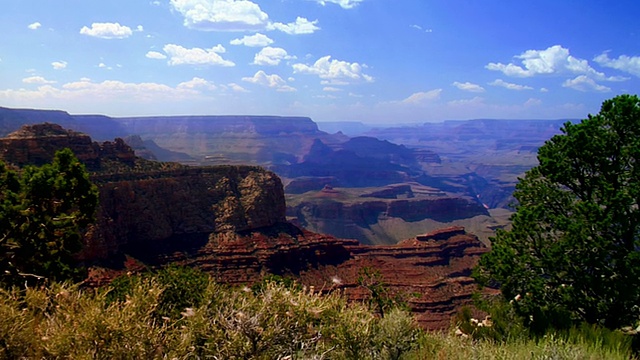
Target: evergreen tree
x=572 y=254
x=42 y=213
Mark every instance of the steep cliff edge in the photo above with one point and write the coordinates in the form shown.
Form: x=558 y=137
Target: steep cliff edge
x=165 y=208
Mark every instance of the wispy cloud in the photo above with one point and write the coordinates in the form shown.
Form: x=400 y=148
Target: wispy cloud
x=59 y=65
x=271 y=56
x=37 y=80
x=510 y=86
x=628 y=64
x=345 y=4
x=338 y=70
x=584 y=83
x=273 y=81
x=299 y=27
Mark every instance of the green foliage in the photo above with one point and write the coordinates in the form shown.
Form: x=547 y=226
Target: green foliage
x=285 y=281
x=42 y=213
x=182 y=288
x=66 y=321
x=505 y=325
x=572 y=254
x=380 y=299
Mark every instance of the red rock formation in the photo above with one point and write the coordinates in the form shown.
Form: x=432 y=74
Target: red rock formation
x=432 y=276
x=142 y=210
x=36 y=145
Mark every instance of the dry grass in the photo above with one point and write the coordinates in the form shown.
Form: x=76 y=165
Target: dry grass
x=275 y=322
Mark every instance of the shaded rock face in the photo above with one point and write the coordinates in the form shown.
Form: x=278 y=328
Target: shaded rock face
x=143 y=205
x=144 y=210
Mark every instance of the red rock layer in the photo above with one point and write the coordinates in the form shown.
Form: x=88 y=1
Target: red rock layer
x=432 y=276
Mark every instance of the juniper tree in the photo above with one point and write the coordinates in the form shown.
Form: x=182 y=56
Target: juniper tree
x=42 y=213
x=572 y=254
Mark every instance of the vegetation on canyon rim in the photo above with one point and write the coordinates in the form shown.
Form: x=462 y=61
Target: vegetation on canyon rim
x=570 y=258
x=134 y=318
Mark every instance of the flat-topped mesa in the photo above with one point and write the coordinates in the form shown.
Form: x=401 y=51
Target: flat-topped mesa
x=36 y=145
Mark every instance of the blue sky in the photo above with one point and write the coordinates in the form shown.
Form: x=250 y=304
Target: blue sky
x=375 y=61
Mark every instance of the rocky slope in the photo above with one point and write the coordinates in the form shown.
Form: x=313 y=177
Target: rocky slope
x=430 y=273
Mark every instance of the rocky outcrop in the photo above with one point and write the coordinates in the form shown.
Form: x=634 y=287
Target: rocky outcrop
x=309 y=183
x=36 y=144
x=144 y=204
x=141 y=210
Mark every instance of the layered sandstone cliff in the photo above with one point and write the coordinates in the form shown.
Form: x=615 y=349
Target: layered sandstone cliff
x=430 y=273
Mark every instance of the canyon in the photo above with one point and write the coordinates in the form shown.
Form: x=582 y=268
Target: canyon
x=230 y=221
x=470 y=165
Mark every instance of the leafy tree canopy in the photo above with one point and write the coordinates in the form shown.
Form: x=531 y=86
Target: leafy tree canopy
x=572 y=254
x=42 y=212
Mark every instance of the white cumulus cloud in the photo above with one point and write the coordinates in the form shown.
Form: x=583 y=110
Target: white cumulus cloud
x=628 y=64
x=300 y=26
x=107 y=31
x=585 y=83
x=555 y=59
x=467 y=86
x=37 y=80
x=508 y=85
x=342 y=72
x=197 y=83
x=273 y=81
x=34 y=26
x=256 y=40
x=179 y=55
x=221 y=15
x=59 y=65
x=156 y=55
x=345 y=4
x=271 y=56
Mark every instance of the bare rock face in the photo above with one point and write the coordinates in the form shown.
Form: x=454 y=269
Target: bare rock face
x=147 y=209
